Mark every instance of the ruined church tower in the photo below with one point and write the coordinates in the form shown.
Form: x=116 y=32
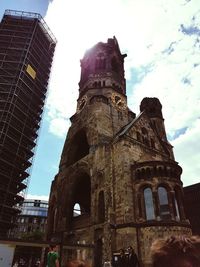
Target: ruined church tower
x=118 y=182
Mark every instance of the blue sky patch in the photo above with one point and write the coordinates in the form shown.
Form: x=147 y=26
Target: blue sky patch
x=36 y=6
x=137 y=75
x=177 y=133
x=190 y=30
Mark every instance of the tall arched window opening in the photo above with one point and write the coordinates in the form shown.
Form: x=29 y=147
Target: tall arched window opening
x=81 y=195
x=77 y=210
x=79 y=148
x=164 y=204
x=100 y=63
x=149 y=207
x=145 y=136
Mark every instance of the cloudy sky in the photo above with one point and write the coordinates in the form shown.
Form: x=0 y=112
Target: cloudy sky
x=162 y=40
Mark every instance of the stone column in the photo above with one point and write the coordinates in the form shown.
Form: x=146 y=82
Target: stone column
x=179 y=196
x=172 y=208
x=156 y=203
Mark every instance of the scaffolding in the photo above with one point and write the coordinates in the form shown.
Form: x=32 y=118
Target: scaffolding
x=26 y=53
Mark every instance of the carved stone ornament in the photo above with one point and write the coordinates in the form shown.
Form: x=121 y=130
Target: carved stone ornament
x=118 y=101
x=81 y=103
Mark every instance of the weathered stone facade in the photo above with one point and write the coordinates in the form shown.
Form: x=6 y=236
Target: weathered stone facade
x=117 y=167
x=192 y=206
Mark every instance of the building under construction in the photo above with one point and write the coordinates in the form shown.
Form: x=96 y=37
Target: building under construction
x=26 y=53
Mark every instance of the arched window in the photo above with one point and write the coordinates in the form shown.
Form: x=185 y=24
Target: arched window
x=137 y=175
x=81 y=196
x=163 y=203
x=148 y=173
x=138 y=136
x=145 y=136
x=101 y=207
x=152 y=143
x=79 y=148
x=76 y=210
x=149 y=207
x=100 y=63
x=144 y=131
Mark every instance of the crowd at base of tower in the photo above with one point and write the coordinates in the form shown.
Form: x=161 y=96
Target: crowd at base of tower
x=174 y=251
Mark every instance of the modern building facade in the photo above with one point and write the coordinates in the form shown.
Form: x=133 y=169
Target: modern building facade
x=32 y=219
x=31 y=227
x=26 y=53
x=192 y=206
x=116 y=167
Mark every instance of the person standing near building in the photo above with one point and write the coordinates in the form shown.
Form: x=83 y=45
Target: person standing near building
x=122 y=261
x=132 y=260
x=52 y=257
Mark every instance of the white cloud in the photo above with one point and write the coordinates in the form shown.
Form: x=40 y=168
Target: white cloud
x=186 y=148
x=150 y=33
x=59 y=126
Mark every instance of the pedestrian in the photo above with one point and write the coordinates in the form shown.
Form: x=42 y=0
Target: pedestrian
x=132 y=259
x=176 y=251
x=52 y=256
x=122 y=261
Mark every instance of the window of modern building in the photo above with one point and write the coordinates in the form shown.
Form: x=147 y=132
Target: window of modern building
x=32 y=215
